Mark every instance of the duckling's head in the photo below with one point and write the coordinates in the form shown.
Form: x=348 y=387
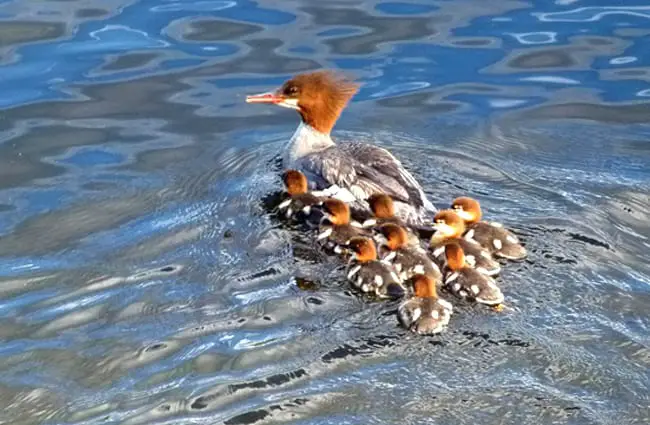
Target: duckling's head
x=467 y=208
x=381 y=205
x=448 y=225
x=337 y=212
x=295 y=182
x=455 y=256
x=425 y=286
x=363 y=249
x=396 y=236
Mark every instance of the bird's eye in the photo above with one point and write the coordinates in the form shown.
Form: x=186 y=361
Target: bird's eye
x=291 y=91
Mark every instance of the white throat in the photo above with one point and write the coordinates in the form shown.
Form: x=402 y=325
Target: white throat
x=307 y=140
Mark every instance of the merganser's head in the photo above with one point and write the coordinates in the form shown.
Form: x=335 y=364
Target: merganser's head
x=467 y=208
x=319 y=97
x=425 y=286
x=381 y=205
x=396 y=236
x=295 y=182
x=448 y=225
x=455 y=256
x=337 y=212
x=363 y=249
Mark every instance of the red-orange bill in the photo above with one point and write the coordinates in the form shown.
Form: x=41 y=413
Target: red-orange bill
x=263 y=98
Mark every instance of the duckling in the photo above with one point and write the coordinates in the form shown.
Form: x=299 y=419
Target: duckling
x=491 y=235
x=450 y=227
x=466 y=282
x=424 y=313
x=383 y=210
x=300 y=202
x=367 y=273
x=406 y=259
x=336 y=228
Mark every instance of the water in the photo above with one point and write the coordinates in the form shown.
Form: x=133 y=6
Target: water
x=142 y=281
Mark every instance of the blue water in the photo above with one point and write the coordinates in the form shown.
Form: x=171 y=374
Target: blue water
x=142 y=280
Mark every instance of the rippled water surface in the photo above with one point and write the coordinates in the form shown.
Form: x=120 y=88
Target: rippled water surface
x=143 y=281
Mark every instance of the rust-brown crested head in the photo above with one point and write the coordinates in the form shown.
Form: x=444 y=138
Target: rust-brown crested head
x=449 y=224
x=337 y=211
x=381 y=205
x=318 y=96
x=455 y=256
x=364 y=249
x=396 y=236
x=467 y=208
x=295 y=182
x=424 y=286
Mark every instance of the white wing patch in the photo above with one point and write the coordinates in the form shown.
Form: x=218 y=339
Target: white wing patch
x=435 y=314
x=438 y=251
x=354 y=270
x=451 y=277
x=475 y=289
x=379 y=280
x=497 y=243
x=307 y=209
x=369 y=222
x=285 y=204
x=391 y=256
x=471 y=260
x=417 y=313
x=446 y=304
x=512 y=239
x=325 y=234
x=469 y=235
x=419 y=269
x=495 y=224
x=485 y=254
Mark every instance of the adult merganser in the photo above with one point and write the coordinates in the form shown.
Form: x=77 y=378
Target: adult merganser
x=450 y=228
x=350 y=171
x=424 y=313
x=369 y=274
x=491 y=235
x=300 y=203
x=466 y=282
x=336 y=228
x=407 y=260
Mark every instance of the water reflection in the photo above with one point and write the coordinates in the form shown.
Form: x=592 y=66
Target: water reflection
x=143 y=281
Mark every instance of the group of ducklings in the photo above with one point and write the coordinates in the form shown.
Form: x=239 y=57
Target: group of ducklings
x=386 y=258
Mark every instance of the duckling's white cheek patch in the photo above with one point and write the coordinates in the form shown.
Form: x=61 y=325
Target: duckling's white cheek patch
x=475 y=289
x=290 y=103
x=435 y=314
x=338 y=249
x=438 y=251
x=457 y=287
x=497 y=243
